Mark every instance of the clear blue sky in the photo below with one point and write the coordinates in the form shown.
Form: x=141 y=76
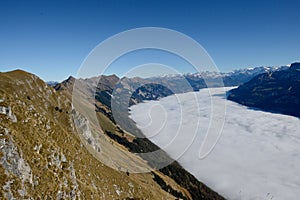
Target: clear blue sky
x=52 y=38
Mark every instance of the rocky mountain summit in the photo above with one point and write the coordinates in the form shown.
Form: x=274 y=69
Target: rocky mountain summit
x=277 y=91
x=51 y=149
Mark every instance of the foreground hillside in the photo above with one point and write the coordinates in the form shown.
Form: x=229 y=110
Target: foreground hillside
x=43 y=156
x=275 y=91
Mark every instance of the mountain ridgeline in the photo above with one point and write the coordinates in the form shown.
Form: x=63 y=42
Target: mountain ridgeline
x=125 y=132
x=43 y=155
x=108 y=93
x=140 y=89
x=50 y=148
x=130 y=91
x=277 y=91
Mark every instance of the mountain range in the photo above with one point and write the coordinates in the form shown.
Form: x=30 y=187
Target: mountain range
x=277 y=91
x=157 y=87
x=52 y=147
x=49 y=149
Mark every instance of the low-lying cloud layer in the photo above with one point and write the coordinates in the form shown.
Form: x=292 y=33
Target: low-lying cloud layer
x=256 y=157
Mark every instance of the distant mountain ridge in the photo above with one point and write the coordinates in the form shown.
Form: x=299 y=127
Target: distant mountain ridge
x=163 y=86
x=277 y=91
x=130 y=91
x=196 y=80
x=52 y=83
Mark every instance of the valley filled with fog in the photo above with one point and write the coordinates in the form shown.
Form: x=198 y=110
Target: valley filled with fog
x=257 y=155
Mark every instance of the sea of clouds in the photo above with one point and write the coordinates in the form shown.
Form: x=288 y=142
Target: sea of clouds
x=257 y=155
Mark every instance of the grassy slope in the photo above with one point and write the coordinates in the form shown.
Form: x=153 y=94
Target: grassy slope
x=34 y=105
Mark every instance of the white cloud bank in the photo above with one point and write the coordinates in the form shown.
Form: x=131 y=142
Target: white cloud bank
x=256 y=157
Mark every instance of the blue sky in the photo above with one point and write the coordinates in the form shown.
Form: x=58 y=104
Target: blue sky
x=52 y=38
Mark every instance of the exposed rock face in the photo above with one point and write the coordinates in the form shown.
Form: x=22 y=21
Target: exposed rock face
x=83 y=128
x=7 y=111
x=278 y=91
x=14 y=166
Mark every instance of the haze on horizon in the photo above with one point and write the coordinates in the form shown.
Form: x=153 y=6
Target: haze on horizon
x=52 y=38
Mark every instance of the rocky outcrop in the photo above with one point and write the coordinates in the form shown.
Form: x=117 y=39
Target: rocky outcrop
x=83 y=128
x=8 y=112
x=16 y=168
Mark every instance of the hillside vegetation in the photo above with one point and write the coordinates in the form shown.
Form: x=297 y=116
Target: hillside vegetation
x=44 y=156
